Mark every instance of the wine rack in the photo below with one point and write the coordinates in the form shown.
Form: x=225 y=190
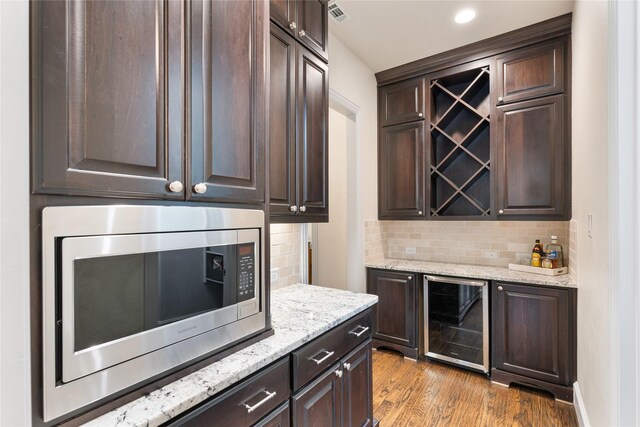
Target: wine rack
x=460 y=165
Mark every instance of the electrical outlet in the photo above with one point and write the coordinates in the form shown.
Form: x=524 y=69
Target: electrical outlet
x=590 y=225
x=492 y=255
x=274 y=274
x=523 y=258
x=410 y=250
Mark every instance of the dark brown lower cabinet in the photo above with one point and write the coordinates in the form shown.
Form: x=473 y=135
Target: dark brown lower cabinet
x=396 y=315
x=534 y=337
x=280 y=417
x=341 y=396
x=331 y=377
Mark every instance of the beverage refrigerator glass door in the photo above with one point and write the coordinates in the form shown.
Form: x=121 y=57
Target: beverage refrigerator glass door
x=456 y=321
x=133 y=291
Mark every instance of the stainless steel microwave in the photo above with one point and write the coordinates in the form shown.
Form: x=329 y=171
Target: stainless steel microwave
x=132 y=292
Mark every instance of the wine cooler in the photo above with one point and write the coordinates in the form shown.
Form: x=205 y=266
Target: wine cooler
x=456 y=316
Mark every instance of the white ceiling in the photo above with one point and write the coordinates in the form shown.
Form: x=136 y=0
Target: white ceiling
x=387 y=33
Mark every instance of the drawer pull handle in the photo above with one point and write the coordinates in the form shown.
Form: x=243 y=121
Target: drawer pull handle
x=362 y=331
x=347 y=366
x=268 y=396
x=338 y=373
x=319 y=361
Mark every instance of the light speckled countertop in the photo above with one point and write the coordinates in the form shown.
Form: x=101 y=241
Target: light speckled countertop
x=473 y=271
x=299 y=313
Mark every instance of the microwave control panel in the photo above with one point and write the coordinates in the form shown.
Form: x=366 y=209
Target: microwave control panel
x=246 y=272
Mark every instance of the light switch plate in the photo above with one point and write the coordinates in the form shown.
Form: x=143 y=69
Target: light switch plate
x=590 y=225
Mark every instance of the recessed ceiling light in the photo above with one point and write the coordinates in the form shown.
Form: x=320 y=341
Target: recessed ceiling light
x=465 y=15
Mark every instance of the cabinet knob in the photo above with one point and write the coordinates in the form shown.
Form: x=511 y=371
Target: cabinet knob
x=500 y=288
x=200 y=188
x=420 y=115
x=347 y=366
x=302 y=33
x=303 y=208
x=419 y=212
x=293 y=25
x=293 y=208
x=410 y=277
x=500 y=99
x=338 y=373
x=176 y=187
x=501 y=211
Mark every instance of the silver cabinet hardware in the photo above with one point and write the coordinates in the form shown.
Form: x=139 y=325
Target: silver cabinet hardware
x=420 y=115
x=338 y=373
x=500 y=288
x=303 y=208
x=293 y=208
x=501 y=211
x=176 y=186
x=302 y=33
x=268 y=396
x=347 y=366
x=409 y=277
x=419 y=212
x=363 y=329
x=500 y=99
x=293 y=25
x=200 y=188
x=319 y=361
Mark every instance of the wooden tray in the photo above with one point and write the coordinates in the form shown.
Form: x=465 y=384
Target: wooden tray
x=539 y=270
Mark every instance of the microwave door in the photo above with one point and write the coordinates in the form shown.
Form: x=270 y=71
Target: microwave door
x=117 y=305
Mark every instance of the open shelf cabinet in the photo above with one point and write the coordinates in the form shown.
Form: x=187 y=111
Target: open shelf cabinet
x=460 y=156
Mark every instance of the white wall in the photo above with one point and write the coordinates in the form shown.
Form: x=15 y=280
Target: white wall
x=590 y=196
x=330 y=239
x=353 y=80
x=15 y=402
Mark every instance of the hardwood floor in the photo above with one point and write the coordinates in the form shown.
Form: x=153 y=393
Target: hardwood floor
x=408 y=393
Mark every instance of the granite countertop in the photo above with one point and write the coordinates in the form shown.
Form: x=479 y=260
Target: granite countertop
x=473 y=271
x=299 y=313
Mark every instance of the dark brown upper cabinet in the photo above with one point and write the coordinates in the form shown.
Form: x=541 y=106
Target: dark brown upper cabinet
x=532 y=159
x=495 y=143
x=228 y=107
x=109 y=90
x=531 y=72
x=402 y=163
x=533 y=333
x=298 y=152
x=402 y=102
x=306 y=20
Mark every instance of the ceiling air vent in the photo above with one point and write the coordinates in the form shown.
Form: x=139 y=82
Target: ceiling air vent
x=337 y=14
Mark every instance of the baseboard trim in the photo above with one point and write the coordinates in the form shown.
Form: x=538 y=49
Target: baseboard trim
x=578 y=403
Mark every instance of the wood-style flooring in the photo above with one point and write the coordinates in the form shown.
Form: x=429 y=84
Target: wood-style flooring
x=423 y=393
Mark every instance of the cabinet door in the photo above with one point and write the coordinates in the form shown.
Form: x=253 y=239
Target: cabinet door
x=313 y=25
x=532 y=149
x=313 y=120
x=228 y=100
x=280 y=417
x=401 y=171
x=319 y=404
x=531 y=332
x=282 y=126
x=107 y=90
x=283 y=12
x=402 y=102
x=395 y=315
x=531 y=72
x=357 y=388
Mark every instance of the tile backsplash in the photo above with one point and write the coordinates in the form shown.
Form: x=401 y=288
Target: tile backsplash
x=494 y=243
x=285 y=254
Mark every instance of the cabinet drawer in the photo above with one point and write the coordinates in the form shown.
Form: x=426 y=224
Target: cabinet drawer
x=278 y=418
x=312 y=359
x=246 y=403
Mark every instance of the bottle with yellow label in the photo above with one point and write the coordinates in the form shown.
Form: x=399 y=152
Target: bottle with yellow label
x=536 y=254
